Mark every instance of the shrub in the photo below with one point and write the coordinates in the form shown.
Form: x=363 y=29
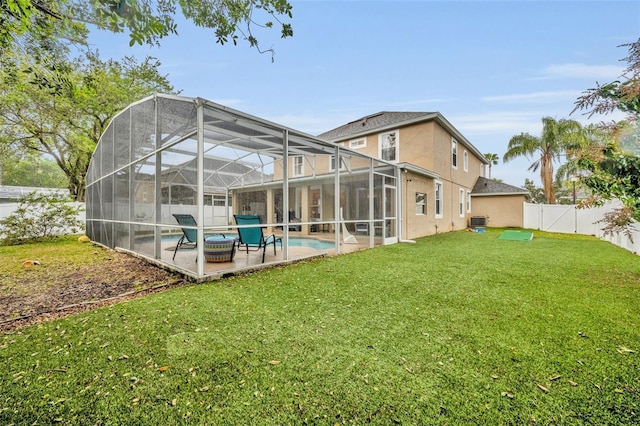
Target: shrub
x=40 y=216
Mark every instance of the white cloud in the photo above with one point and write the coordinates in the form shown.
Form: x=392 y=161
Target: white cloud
x=312 y=124
x=537 y=97
x=498 y=122
x=590 y=72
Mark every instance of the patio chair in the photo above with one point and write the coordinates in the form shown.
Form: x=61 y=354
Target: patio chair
x=189 y=235
x=253 y=236
x=294 y=219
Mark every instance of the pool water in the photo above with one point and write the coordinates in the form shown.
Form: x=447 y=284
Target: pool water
x=311 y=242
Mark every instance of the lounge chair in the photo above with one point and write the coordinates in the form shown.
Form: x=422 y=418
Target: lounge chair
x=253 y=236
x=189 y=235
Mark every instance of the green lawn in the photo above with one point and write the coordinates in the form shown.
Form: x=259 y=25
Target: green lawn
x=460 y=328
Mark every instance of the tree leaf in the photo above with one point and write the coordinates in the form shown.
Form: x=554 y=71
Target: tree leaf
x=625 y=350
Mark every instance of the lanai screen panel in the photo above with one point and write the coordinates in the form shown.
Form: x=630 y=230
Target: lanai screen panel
x=146 y=168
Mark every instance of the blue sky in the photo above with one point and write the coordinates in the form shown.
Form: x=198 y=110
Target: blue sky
x=492 y=68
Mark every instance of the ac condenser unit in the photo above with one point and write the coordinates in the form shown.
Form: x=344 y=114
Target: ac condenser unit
x=478 y=221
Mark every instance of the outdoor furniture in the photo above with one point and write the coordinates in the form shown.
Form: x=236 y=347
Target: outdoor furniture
x=219 y=249
x=294 y=219
x=253 y=236
x=189 y=235
x=362 y=228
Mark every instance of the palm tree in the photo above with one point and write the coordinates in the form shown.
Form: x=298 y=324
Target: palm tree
x=493 y=160
x=556 y=137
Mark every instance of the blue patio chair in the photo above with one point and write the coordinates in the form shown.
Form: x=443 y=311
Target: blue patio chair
x=253 y=236
x=189 y=235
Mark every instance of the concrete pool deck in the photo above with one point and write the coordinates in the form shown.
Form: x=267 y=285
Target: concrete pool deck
x=243 y=262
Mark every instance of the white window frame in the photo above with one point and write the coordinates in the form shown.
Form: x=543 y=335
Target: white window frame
x=219 y=200
x=332 y=161
x=454 y=153
x=461 y=202
x=382 y=141
x=465 y=160
x=298 y=169
x=439 y=200
x=358 y=143
x=421 y=203
x=468 y=201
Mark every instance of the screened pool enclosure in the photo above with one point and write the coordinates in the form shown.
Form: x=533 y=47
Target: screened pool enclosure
x=172 y=155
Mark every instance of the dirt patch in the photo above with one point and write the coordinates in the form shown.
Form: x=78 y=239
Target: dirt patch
x=70 y=290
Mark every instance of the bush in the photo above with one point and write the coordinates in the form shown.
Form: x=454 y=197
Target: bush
x=40 y=217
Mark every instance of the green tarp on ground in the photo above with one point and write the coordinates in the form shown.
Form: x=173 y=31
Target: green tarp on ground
x=516 y=235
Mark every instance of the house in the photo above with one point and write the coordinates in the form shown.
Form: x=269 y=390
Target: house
x=440 y=170
x=381 y=179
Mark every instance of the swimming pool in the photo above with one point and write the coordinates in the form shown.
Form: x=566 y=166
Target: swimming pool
x=310 y=242
x=293 y=241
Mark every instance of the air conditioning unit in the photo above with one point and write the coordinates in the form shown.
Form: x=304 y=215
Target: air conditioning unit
x=478 y=221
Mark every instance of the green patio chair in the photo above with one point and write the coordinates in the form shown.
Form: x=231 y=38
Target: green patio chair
x=189 y=235
x=253 y=236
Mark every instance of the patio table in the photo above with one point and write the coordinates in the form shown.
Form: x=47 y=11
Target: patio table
x=219 y=249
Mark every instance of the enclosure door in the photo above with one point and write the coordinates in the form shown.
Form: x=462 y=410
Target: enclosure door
x=390 y=209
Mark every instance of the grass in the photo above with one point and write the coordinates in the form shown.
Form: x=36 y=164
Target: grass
x=460 y=328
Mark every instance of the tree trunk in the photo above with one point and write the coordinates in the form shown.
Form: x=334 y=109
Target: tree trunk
x=546 y=176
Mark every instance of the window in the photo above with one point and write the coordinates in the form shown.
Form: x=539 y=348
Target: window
x=221 y=200
x=465 y=160
x=332 y=163
x=298 y=169
x=454 y=153
x=439 y=199
x=388 y=146
x=358 y=143
x=461 y=203
x=468 y=201
x=421 y=202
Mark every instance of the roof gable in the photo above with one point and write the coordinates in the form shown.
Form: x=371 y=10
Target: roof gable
x=387 y=120
x=373 y=122
x=486 y=186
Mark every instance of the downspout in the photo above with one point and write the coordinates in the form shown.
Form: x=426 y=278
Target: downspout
x=401 y=203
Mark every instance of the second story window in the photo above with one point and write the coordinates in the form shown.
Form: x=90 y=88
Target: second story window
x=358 y=143
x=332 y=163
x=388 y=146
x=454 y=153
x=298 y=169
x=465 y=160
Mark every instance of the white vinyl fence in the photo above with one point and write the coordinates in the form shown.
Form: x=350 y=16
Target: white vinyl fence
x=570 y=220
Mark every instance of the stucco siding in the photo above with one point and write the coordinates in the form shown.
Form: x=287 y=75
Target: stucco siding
x=417 y=145
x=502 y=211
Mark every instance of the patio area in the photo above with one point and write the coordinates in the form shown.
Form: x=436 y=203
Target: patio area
x=243 y=261
x=170 y=155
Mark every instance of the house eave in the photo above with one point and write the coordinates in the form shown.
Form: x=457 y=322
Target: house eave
x=418 y=170
x=493 y=194
x=436 y=116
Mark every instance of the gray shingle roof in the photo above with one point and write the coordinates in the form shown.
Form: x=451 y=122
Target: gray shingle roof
x=486 y=186
x=387 y=120
x=372 y=122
